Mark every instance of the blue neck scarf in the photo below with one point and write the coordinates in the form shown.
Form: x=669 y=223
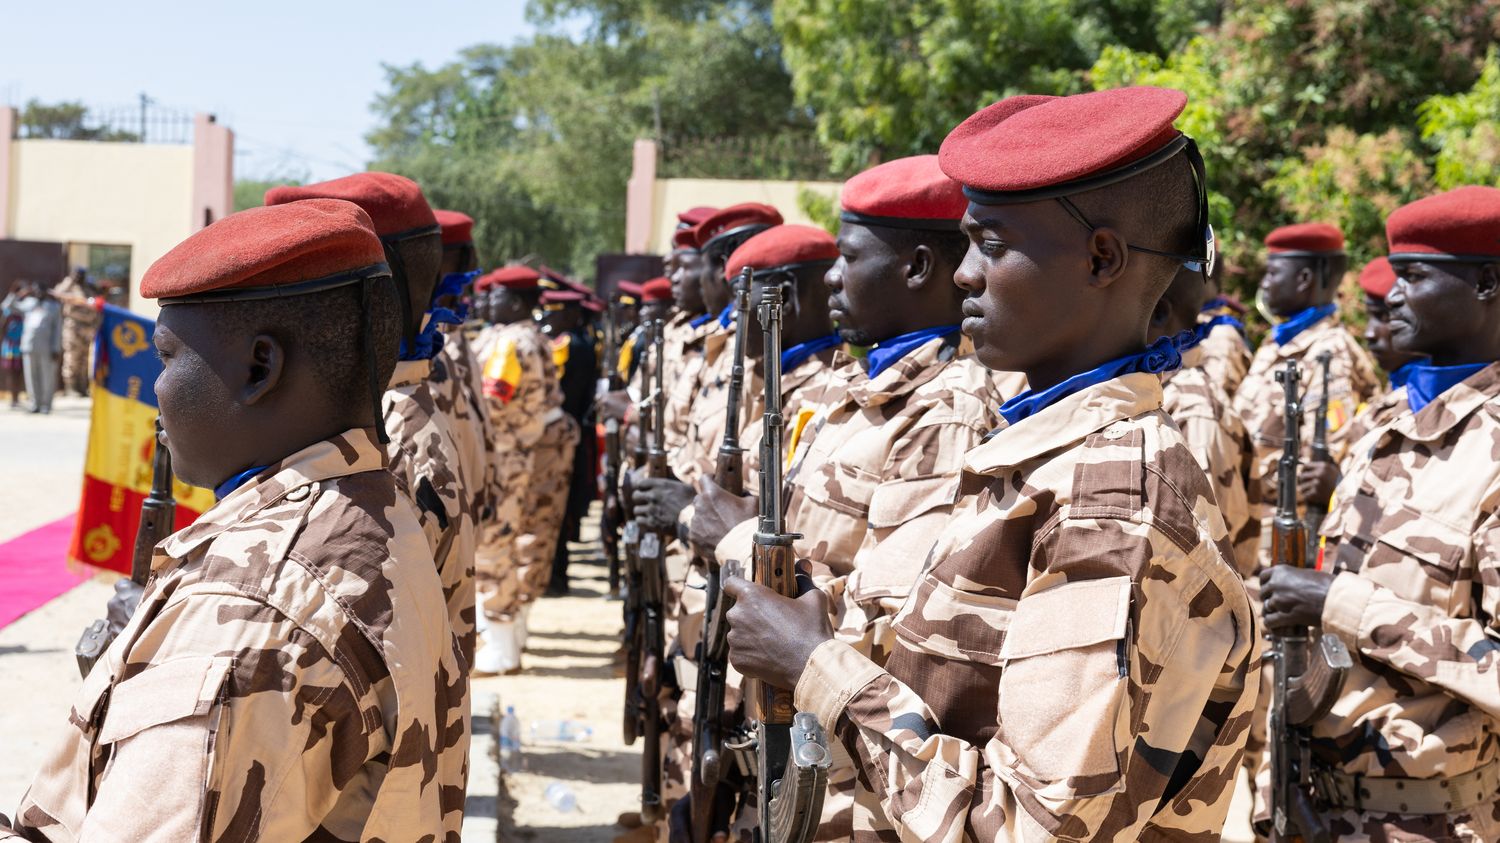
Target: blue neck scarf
x=700 y=321
x=1161 y=356
x=1288 y=330
x=1401 y=375
x=453 y=284
x=884 y=355
x=225 y=489
x=1221 y=319
x=1425 y=382
x=428 y=342
x=726 y=316
x=793 y=357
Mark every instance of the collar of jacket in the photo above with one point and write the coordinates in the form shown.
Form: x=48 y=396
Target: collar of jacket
x=1067 y=422
x=351 y=452
x=1449 y=409
x=916 y=367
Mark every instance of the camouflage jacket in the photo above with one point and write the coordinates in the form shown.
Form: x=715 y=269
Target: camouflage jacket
x=1226 y=358
x=520 y=384
x=801 y=389
x=425 y=458
x=1079 y=660
x=1219 y=443
x=1414 y=543
x=1260 y=405
x=288 y=676
x=705 y=414
x=1381 y=410
x=476 y=435
x=683 y=350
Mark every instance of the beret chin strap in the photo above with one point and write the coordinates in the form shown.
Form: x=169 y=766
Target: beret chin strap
x=1433 y=257
x=899 y=222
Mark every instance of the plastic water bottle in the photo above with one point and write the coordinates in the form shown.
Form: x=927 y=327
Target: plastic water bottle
x=561 y=731
x=510 y=740
x=561 y=797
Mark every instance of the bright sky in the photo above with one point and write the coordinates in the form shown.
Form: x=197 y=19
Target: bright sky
x=294 y=80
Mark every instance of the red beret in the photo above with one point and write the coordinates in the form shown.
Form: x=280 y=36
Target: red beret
x=693 y=216
x=734 y=219
x=395 y=203
x=1460 y=225
x=563 y=297
x=657 y=289
x=905 y=193
x=628 y=288
x=685 y=240
x=323 y=241
x=513 y=278
x=1306 y=239
x=1032 y=147
x=1377 y=278
x=458 y=227
x=783 y=246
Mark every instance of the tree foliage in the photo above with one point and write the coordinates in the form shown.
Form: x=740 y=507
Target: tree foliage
x=66 y=121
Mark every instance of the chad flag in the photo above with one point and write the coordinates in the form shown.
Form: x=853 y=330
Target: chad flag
x=122 y=440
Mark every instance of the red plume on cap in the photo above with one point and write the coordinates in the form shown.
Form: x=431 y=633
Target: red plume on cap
x=458 y=228
x=513 y=278
x=685 y=240
x=562 y=297
x=266 y=248
x=736 y=218
x=1035 y=143
x=1306 y=239
x=1377 y=278
x=781 y=247
x=657 y=289
x=905 y=193
x=395 y=203
x=628 y=288
x=1462 y=224
x=693 y=216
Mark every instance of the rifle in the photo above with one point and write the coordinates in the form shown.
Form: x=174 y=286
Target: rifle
x=158 y=511
x=713 y=648
x=1308 y=680
x=652 y=574
x=1318 y=510
x=630 y=542
x=792 y=756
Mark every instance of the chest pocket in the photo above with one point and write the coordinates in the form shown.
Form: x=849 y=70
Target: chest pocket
x=176 y=704
x=1063 y=687
x=1414 y=555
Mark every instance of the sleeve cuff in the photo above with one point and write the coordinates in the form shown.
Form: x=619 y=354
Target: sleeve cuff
x=1344 y=610
x=835 y=673
x=736 y=543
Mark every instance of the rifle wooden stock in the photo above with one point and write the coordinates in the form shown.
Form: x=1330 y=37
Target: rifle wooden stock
x=652 y=574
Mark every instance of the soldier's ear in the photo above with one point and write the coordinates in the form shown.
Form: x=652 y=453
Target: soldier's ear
x=1306 y=279
x=919 y=269
x=1488 y=283
x=267 y=360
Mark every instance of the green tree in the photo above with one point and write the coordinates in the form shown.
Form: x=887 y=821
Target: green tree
x=65 y=121
x=1464 y=129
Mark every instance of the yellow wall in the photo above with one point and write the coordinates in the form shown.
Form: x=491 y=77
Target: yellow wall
x=137 y=195
x=673 y=196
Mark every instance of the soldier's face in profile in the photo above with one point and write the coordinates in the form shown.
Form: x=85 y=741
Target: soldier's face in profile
x=1441 y=309
x=1026 y=275
x=194 y=393
x=1378 y=336
x=867 y=266
x=1284 y=286
x=686 y=275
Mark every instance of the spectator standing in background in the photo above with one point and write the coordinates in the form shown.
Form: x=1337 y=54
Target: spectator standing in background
x=41 y=345
x=11 y=318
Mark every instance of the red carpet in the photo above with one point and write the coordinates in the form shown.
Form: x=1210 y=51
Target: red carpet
x=33 y=569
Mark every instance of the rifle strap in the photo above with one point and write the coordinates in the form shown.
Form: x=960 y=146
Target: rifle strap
x=1396 y=795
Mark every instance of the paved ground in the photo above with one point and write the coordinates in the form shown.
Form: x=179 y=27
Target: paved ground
x=570 y=671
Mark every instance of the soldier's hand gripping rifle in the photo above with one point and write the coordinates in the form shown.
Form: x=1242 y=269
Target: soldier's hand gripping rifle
x=652 y=575
x=630 y=541
x=157 y=514
x=713 y=649
x=1308 y=675
x=1318 y=510
x=791 y=751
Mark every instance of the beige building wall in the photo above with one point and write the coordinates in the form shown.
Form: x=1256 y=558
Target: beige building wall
x=672 y=196
x=129 y=194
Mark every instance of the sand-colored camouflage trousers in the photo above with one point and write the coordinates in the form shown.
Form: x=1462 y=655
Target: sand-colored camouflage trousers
x=514 y=559
x=78 y=343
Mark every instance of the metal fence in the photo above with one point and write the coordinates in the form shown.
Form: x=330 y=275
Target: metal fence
x=146 y=123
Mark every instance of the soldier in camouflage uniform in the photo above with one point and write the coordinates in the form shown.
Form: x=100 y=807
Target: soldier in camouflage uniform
x=80 y=321
x=1411 y=580
x=993 y=720
x=1376 y=280
x=290 y=673
x=1226 y=354
x=460 y=393
x=1303 y=270
x=874 y=471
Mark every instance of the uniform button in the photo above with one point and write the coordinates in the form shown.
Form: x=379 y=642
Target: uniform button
x=299 y=494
